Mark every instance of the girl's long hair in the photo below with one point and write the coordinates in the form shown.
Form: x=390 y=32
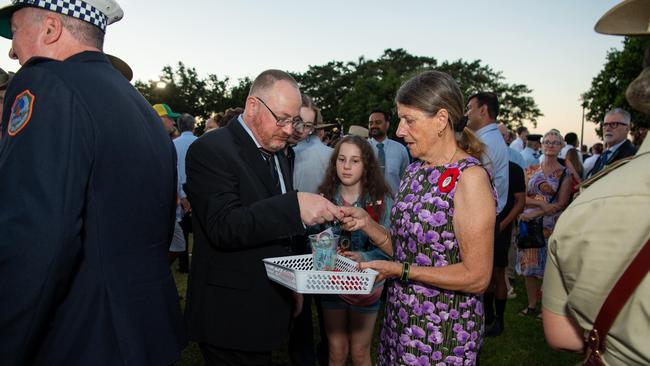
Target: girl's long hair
x=373 y=183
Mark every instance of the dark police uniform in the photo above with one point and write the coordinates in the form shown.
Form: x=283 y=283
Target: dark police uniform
x=87 y=190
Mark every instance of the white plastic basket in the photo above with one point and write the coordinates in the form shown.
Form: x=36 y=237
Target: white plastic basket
x=296 y=272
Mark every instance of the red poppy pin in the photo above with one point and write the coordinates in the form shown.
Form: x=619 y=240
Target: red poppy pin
x=447 y=180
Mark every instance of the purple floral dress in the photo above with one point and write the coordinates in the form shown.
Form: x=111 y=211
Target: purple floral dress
x=532 y=262
x=426 y=325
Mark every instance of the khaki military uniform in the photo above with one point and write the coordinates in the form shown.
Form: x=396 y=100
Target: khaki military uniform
x=594 y=240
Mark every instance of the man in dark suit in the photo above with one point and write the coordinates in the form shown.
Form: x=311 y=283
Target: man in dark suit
x=245 y=210
x=87 y=209
x=616 y=127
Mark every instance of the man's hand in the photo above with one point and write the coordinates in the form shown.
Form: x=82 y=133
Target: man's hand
x=185 y=206
x=315 y=209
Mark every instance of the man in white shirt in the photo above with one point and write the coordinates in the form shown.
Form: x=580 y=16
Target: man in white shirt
x=531 y=152
x=571 y=140
x=513 y=154
x=590 y=162
x=482 y=112
x=186 y=124
x=522 y=137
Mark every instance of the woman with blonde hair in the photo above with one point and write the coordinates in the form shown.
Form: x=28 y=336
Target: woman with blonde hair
x=547 y=195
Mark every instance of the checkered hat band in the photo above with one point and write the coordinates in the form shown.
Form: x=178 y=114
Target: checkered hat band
x=74 y=8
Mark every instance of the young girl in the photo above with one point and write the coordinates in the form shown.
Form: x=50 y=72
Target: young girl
x=353 y=178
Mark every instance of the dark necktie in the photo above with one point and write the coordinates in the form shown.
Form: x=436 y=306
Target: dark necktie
x=291 y=156
x=269 y=157
x=381 y=155
x=602 y=162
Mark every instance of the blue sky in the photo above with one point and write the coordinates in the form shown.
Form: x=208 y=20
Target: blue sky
x=548 y=45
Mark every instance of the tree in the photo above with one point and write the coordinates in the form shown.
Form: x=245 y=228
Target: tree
x=186 y=92
x=347 y=92
x=607 y=89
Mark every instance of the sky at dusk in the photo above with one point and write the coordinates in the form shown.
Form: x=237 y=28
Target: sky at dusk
x=550 y=46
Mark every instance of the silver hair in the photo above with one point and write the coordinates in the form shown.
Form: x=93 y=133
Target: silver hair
x=82 y=31
x=627 y=118
x=186 y=122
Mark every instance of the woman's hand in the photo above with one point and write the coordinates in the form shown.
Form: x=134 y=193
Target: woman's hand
x=386 y=269
x=354 y=219
x=355 y=256
x=547 y=208
x=524 y=217
x=531 y=214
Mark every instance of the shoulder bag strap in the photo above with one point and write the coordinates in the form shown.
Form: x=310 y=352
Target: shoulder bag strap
x=617 y=298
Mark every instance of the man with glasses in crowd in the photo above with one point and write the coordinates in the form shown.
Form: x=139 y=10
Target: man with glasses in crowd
x=312 y=155
x=244 y=210
x=616 y=127
x=392 y=156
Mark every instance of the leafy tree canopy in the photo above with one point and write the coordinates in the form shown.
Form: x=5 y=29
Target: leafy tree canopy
x=608 y=87
x=345 y=91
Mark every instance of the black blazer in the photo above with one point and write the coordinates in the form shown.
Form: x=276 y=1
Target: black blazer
x=88 y=194
x=623 y=151
x=238 y=220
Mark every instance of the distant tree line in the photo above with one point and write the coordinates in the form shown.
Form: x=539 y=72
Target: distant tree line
x=345 y=91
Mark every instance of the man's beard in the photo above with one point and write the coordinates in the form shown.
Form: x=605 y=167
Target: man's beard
x=376 y=133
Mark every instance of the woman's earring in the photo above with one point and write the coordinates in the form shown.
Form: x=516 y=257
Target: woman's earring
x=441 y=132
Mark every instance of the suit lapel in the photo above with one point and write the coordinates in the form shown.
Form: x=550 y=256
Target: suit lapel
x=619 y=154
x=251 y=155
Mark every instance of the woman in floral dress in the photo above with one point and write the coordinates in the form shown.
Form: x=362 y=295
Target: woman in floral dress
x=548 y=194
x=442 y=230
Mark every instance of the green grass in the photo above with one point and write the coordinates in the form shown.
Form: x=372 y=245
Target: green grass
x=522 y=342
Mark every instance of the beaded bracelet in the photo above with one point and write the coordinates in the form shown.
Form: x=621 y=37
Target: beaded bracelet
x=406 y=267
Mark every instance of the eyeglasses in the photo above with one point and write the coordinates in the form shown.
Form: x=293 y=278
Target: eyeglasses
x=297 y=123
x=613 y=125
x=552 y=143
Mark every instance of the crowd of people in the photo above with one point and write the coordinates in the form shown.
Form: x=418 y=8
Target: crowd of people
x=446 y=212
x=399 y=214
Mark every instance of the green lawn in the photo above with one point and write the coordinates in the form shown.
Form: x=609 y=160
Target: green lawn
x=522 y=342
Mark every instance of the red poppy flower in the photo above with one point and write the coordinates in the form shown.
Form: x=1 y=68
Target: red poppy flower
x=447 y=180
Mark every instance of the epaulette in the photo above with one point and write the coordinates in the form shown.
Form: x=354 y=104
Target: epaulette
x=608 y=169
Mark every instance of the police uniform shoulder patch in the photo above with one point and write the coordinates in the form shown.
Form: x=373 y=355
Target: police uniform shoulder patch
x=21 y=112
